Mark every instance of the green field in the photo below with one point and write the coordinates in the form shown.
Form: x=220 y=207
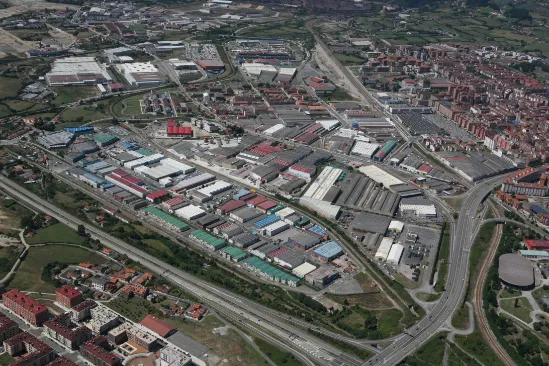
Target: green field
x=10 y=87
x=6 y=359
x=71 y=94
x=431 y=353
x=509 y=292
x=278 y=356
x=29 y=274
x=56 y=233
x=443 y=256
x=158 y=245
x=19 y=105
x=460 y=319
x=475 y=345
x=522 y=311
x=423 y=296
x=81 y=115
x=349 y=59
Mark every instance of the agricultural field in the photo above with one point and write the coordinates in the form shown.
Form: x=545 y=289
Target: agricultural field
x=10 y=87
x=56 y=233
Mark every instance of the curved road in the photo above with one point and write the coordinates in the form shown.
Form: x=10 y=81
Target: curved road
x=461 y=242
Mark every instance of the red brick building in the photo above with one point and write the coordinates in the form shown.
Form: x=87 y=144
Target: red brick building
x=95 y=351
x=8 y=328
x=36 y=352
x=25 y=307
x=68 y=296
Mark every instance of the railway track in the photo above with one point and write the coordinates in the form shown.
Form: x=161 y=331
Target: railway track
x=478 y=300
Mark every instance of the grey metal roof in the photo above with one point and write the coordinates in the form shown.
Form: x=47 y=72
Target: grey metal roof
x=516 y=270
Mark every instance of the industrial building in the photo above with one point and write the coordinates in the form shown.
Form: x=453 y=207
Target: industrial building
x=105 y=140
x=206 y=193
x=192 y=182
x=77 y=71
x=139 y=74
x=214 y=66
x=384 y=248
x=365 y=149
x=369 y=222
x=244 y=214
x=244 y=240
x=516 y=271
x=420 y=207
x=190 y=212
x=166 y=219
x=56 y=140
x=304 y=240
x=322 y=276
x=395 y=254
x=179 y=64
x=167 y=167
x=267 y=271
x=207 y=240
x=303 y=269
x=357 y=191
x=328 y=251
x=233 y=254
x=288 y=258
x=276 y=228
x=127 y=182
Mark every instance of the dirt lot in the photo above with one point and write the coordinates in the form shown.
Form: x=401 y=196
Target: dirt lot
x=11 y=44
x=22 y=6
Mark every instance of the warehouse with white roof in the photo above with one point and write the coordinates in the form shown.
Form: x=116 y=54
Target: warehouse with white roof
x=269 y=131
x=190 y=212
x=145 y=160
x=285 y=212
x=166 y=168
x=216 y=188
x=323 y=183
x=395 y=254
x=276 y=228
x=362 y=148
x=380 y=176
x=384 y=248
x=303 y=269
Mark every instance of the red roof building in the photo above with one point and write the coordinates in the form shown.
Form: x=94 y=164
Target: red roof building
x=34 y=350
x=61 y=361
x=172 y=202
x=179 y=131
x=267 y=205
x=95 y=350
x=537 y=244
x=157 y=195
x=8 y=328
x=64 y=331
x=158 y=326
x=68 y=296
x=25 y=307
x=256 y=201
x=231 y=206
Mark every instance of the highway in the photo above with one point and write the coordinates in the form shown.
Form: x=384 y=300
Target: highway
x=246 y=312
x=461 y=241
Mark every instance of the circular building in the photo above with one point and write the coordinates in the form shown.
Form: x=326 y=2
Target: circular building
x=516 y=271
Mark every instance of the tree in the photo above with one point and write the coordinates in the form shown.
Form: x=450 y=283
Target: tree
x=81 y=230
